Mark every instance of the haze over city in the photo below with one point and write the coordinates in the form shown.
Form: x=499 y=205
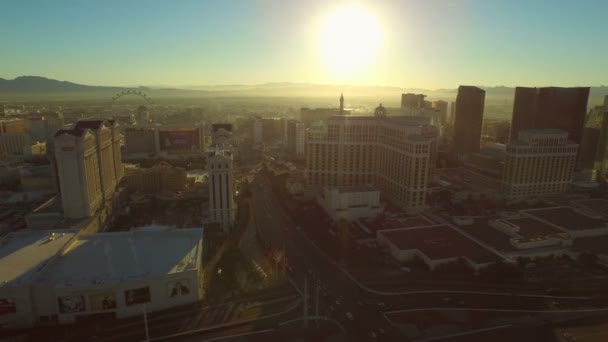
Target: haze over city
x=423 y=44
x=265 y=170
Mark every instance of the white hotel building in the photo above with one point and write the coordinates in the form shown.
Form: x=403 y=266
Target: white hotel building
x=395 y=154
x=89 y=166
x=539 y=162
x=222 y=207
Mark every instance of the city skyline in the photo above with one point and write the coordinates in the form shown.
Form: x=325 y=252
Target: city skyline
x=354 y=170
x=436 y=44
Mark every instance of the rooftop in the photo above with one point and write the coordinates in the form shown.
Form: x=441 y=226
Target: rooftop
x=36 y=171
x=567 y=218
x=114 y=257
x=530 y=228
x=53 y=205
x=482 y=231
x=24 y=254
x=592 y=244
x=353 y=188
x=74 y=132
x=90 y=124
x=439 y=242
x=544 y=131
x=597 y=205
x=394 y=221
x=225 y=126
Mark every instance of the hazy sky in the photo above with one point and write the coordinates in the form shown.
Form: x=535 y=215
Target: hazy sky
x=430 y=43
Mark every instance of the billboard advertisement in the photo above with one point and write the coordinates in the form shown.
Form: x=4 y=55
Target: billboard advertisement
x=102 y=301
x=178 y=139
x=179 y=288
x=137 y=296
x=7 y=306
x=71 y=304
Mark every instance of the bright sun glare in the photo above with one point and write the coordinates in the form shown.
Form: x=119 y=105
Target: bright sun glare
x=350 y=39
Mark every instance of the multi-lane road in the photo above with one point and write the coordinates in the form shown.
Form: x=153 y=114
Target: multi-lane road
x=344 y=294
x=340 y=298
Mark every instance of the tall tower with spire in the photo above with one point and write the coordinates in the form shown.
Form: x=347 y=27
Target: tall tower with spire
x=341 y=103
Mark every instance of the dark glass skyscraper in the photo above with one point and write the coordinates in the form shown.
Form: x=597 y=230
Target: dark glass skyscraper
x=468 y=119
x=410 y=100
x=550 y=107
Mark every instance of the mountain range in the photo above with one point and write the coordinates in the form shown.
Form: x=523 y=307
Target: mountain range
x=41 y=88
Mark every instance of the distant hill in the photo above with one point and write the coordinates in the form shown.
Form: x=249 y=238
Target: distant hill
x=41 y=88
x=43 y=84
x=36 y=88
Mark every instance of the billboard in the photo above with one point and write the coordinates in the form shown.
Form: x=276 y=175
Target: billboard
x=179 y=288
x=102 y=301
x=137 y=296
x=7 y=306
x=178 y=139
x=71 y=304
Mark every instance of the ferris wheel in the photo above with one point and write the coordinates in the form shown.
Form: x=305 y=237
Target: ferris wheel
x=133 y=92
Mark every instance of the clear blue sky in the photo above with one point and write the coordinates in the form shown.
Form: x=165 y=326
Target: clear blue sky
x=432 y=43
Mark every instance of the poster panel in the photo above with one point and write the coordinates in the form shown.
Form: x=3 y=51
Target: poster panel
x=178 y=139
x=7 y=306
x=179 y=288
x=102 y=301
x=71 y=304
x=137 y=296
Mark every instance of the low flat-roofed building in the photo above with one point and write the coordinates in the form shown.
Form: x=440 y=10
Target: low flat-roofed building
x=528 y=233
x=435 y=245
x=35 y=149
x=391 y=221
x=13 y=143
x=9 y=175
x=490 y=161
x=570 y=220
x=597 y=206
x=108 y=274
x=597 y=245
x=159 y=178
x=114 y=273
x=37 y=178
x=23 y=257
x=350 y=202
x=141 y=140
x=394 y=221
x=144 y=141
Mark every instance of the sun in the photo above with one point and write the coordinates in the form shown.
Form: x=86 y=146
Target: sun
x=350 y=38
